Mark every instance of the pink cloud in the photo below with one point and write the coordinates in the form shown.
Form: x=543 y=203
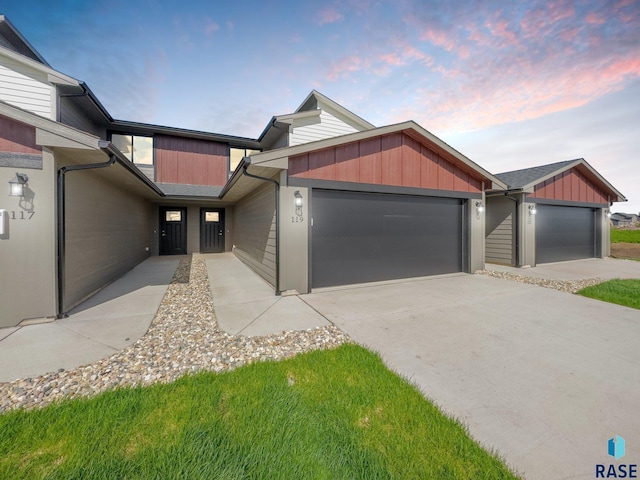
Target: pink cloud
x=211 y=27
x=346 y=65
x=593 y=18
x=329 y=15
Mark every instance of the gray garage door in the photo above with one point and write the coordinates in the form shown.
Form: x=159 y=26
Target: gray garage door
x=361 y=237
x=564 y=233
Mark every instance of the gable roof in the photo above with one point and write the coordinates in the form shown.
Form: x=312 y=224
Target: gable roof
x=279 y=158
x=527 y=178
x=315 y=100
x=16 y=42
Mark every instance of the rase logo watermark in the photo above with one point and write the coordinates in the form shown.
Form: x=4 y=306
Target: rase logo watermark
x=616 y=449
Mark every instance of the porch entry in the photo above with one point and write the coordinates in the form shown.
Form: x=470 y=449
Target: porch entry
x=212 y=230
x=173 y=231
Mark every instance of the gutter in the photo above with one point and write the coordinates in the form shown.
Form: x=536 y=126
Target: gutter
x=114 y=157
x=277 y=212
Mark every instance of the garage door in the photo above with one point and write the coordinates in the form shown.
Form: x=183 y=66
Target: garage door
x=361 y=237
x=564 y=233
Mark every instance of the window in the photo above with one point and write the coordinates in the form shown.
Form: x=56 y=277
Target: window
x=137 y=149
x=211 y=216
x=236 y=155
x=173 y=216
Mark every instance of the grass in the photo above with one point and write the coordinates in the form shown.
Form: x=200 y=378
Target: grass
x=332 y=414
x=622 y=292
x=625 y=236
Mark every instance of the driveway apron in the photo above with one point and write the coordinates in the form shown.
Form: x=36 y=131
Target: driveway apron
x=543 y=377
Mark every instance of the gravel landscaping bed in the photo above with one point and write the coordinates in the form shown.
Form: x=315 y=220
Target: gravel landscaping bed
x=570 y=286
x=183 y=338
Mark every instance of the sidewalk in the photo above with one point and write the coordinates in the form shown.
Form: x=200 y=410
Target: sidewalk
x=112 y=319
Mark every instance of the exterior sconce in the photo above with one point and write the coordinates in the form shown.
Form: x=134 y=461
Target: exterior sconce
x=298 y=200
x=608 y=213
x=479 y=207
x=17 y=184
x=532 y=210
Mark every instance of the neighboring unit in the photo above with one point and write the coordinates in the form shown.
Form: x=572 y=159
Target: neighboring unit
x=549 y=213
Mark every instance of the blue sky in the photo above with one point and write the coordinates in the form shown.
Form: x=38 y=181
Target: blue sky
x=509 y=84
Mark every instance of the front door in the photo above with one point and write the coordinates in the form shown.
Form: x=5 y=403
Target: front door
x=212 y=230
x=173 y=231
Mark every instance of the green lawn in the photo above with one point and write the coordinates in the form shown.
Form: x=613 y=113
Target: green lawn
x=332 y=414
x=622 y=292
x=625 y=236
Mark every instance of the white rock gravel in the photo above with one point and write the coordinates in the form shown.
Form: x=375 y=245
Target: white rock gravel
x=183 y=338
x=569 y=286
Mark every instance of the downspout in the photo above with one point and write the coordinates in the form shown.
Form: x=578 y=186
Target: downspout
x=61 y=220
x=277 y=184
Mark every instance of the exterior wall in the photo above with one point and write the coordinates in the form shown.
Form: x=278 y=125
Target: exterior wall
x=311 y=130
x=500 y=231
x=190 y=161
x=71 y=115
x=25 y=88
x=527 y=234
x=254 y=235
x=476 y=237
x=107 y=233
x=27 y=249
x=294 y=240
x=571 y=185
x=395 y=159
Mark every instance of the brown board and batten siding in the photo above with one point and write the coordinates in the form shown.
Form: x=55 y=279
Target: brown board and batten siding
x=397 y=159
x=571 y=185
x=190 y=161
x=16 y=137
x=255 y=232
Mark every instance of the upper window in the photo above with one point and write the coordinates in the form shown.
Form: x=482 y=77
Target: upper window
x=236 y=155
x=137 y=149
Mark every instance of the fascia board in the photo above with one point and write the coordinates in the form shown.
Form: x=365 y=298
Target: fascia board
x=42 y=124
x=282 y=154
x=530 y=187
x=53 y=76
x=291 y=117
x=339 y=108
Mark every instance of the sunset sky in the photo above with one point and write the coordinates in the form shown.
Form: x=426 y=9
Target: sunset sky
x=509 y=84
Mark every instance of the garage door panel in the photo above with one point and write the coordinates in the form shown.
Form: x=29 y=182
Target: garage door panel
x=564 y=233
x=359 y=237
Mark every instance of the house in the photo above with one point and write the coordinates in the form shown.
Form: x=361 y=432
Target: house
x=549 y=213
x=321 y=198
x=624 y=219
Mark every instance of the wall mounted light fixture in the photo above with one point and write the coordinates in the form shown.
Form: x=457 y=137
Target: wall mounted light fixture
x=298 y=197
x=17 y=185
x=608 y=213
x=532 y=209
x=479 y=207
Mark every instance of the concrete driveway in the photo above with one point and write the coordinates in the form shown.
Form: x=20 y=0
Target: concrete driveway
x=543 y=377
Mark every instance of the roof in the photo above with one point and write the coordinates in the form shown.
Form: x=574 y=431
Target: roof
x=279 y=158
x=183 y=190
x=317 y=98
x=528 y=178
x=17 y=42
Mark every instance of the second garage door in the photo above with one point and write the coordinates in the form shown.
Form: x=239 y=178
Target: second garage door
x=564 y=233
x=361 y=237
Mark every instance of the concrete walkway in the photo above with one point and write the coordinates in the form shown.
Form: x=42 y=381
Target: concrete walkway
x=606 y=268
x=112 y=319
x=245 y=304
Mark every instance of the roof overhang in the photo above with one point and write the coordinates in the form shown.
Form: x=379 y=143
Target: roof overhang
x=53 y=76
x=79 y=147
x=20 y=43
x=582 y=166
x=279 y=158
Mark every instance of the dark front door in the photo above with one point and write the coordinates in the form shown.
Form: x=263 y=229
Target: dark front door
x=173 y=231
x=363 y=237
x=564 y=233
x=212 y=230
